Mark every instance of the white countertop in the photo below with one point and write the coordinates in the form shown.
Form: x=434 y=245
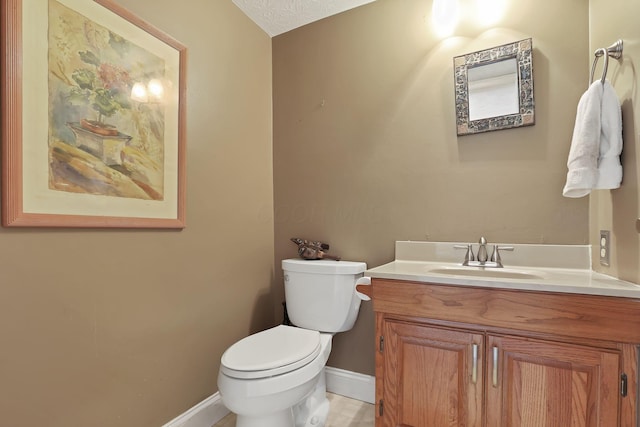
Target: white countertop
x=541 y=278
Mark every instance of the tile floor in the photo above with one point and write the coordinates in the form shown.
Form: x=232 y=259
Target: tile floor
x=344 y=412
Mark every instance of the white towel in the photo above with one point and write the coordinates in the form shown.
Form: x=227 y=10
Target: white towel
x=594 y=157
x=609 y=167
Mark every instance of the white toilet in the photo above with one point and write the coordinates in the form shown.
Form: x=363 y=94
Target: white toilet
x=275 y=378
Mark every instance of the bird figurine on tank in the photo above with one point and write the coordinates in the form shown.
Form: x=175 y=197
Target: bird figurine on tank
x=310 y=250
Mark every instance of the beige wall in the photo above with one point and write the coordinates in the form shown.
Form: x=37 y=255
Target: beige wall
x=107 y=328
x=618 y=210
x=365 y=148
x=126 y=327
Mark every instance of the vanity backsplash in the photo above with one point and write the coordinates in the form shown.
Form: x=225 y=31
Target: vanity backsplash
x=523 y=255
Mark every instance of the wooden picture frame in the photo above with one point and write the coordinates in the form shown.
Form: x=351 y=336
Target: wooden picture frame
x=93 y=117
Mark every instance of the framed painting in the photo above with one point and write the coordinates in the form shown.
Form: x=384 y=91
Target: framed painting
x=93 y=117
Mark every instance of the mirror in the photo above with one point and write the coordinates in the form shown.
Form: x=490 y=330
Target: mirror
x=494 y=88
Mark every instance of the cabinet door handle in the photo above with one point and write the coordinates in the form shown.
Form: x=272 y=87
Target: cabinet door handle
x=495 y=367
x=474 y=363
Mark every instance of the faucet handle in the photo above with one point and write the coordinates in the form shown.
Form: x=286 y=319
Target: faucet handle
x=495 y=256
x=469 y=255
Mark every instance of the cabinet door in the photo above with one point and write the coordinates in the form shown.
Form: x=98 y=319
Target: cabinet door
x=534 y=383
x=431 y=377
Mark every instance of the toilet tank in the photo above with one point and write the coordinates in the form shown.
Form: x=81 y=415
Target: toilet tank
x=321 y=294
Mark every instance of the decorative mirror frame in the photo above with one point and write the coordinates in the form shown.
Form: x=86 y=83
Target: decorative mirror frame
x=522 y=51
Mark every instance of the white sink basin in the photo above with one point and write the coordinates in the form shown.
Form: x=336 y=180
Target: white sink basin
x=497 y=273
x=530 y=267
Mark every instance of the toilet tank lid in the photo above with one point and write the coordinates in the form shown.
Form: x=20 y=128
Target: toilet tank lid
x=323 y=266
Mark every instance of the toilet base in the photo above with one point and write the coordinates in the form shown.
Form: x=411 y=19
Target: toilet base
x=278 y=419
x=310 y=412
x=314 y=410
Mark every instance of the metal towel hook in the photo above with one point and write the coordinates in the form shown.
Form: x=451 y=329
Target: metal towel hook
x=613 y=51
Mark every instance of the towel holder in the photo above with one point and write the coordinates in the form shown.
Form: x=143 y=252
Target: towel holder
x=614 y=51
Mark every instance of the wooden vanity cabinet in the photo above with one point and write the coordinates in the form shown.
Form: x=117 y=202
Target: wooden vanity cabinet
x=539 y=383
x=427 y=377
x=454 y=356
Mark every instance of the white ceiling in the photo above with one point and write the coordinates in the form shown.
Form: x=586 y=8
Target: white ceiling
x=279 y=16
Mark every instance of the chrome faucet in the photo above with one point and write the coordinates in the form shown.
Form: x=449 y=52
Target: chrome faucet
x=482 y=259
x=482 y=250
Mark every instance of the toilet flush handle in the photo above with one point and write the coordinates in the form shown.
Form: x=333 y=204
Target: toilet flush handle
x=363 y=288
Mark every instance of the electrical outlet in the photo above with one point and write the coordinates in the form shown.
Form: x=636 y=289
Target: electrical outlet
x=605 y=246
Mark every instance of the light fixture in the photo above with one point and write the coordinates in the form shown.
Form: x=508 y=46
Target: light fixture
x=489 y=12
x=444 y=16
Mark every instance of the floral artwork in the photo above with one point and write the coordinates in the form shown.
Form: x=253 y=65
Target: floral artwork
x=102 y=139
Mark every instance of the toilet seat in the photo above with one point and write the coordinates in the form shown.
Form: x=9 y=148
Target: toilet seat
x=271 y=352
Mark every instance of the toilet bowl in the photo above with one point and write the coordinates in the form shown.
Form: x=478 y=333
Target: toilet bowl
x=275 y=378
x=263 y=389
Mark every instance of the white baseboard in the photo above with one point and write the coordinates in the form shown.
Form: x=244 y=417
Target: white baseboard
x=351 y=384
x=204 y=414
x=345 y=383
